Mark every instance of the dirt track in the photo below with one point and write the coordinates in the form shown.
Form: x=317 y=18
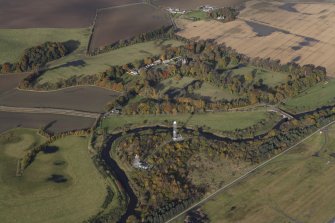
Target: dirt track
x=52 y=13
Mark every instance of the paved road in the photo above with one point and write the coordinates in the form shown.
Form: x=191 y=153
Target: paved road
x=50 y=111
x=246 y=174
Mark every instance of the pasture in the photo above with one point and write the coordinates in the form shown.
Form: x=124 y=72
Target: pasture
x=123 y=23
x=301 y=33
x=80 y=65
x=61 y=185
x=16 y=14
x=220 y=121
x=54 y=123
x=13 y=42
x=295 y=187
x=315 y=97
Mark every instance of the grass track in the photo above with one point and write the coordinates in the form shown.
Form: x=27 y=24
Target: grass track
x=34 y=198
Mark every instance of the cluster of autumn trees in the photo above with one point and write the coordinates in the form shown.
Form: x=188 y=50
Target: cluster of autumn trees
x=228 y=13
x=162 y=33
x=168 y=181
x=35 y=57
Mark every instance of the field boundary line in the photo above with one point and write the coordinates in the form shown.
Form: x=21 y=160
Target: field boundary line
x=65 y=88
x=247 y=174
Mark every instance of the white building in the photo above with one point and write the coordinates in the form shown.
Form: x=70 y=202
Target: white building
x=175 y=136
x=138 y=164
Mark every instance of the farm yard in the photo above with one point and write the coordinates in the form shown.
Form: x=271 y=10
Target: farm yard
x=53 y=123
x=52 y=14
x=193 y=4
x=293 y=188
x=301 y=33
x=123 y=23
x=62 y=182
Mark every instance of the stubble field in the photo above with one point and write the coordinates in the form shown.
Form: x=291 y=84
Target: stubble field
x=302 y=33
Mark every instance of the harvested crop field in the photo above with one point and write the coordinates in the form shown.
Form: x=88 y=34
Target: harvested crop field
x=301 y=33
x=56 y=123
x=122 y=23
x=90 y=99
x=10 y=81
x=193 y=4
x=52 y=14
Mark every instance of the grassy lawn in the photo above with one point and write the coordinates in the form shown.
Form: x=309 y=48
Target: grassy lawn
x=317 y=96
x=297 y=187
x=271 y=78
x=77 y=64
x=14 y=41
x=221 y=121
x=197 y=14
x=61 y=185
x=206 y=90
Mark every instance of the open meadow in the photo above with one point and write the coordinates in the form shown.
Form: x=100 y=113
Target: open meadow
x=295 y=187
x=123 y=23
x=13 y=42
x=301 y=33
x=219 y=121
x=320 y=95
x=194 y=4
x=61 y=185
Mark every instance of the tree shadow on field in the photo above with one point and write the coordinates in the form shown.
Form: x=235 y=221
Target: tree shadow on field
x=56 y=178
x=50 y=149
x=71 y=45
x=75 y=63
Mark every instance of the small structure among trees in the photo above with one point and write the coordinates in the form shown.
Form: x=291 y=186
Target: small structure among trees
x=175 y=136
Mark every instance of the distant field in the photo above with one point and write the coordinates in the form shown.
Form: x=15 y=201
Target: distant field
x=221 y=121
x=52 y=14
x=79 y=64
x=123 y=23
x=194 y=4
x=61 y=185
x=13 y=42
x=301 y=33
x=297 y=187
x=55 y=123
x=315 y=97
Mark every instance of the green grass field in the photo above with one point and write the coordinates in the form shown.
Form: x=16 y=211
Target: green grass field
x=296 y=187
x=220 y=121
x=317 y=96
x=13 y=42
x=78 y=64
x=269 y=77
x=206 y=89
x=196 y=14
x=61 y=185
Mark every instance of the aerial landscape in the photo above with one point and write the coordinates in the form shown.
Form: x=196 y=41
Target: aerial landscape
x=167 y=111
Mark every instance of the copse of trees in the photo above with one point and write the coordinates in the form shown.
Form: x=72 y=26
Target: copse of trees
x=36 y=57
x=228 y=13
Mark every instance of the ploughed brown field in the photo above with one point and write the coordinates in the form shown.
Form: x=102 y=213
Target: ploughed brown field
x=85 y=98
x=122 y=23
x=90 y=99
x=302 y=33
x=55 y=123
x=193 y=4
x=52 y=13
